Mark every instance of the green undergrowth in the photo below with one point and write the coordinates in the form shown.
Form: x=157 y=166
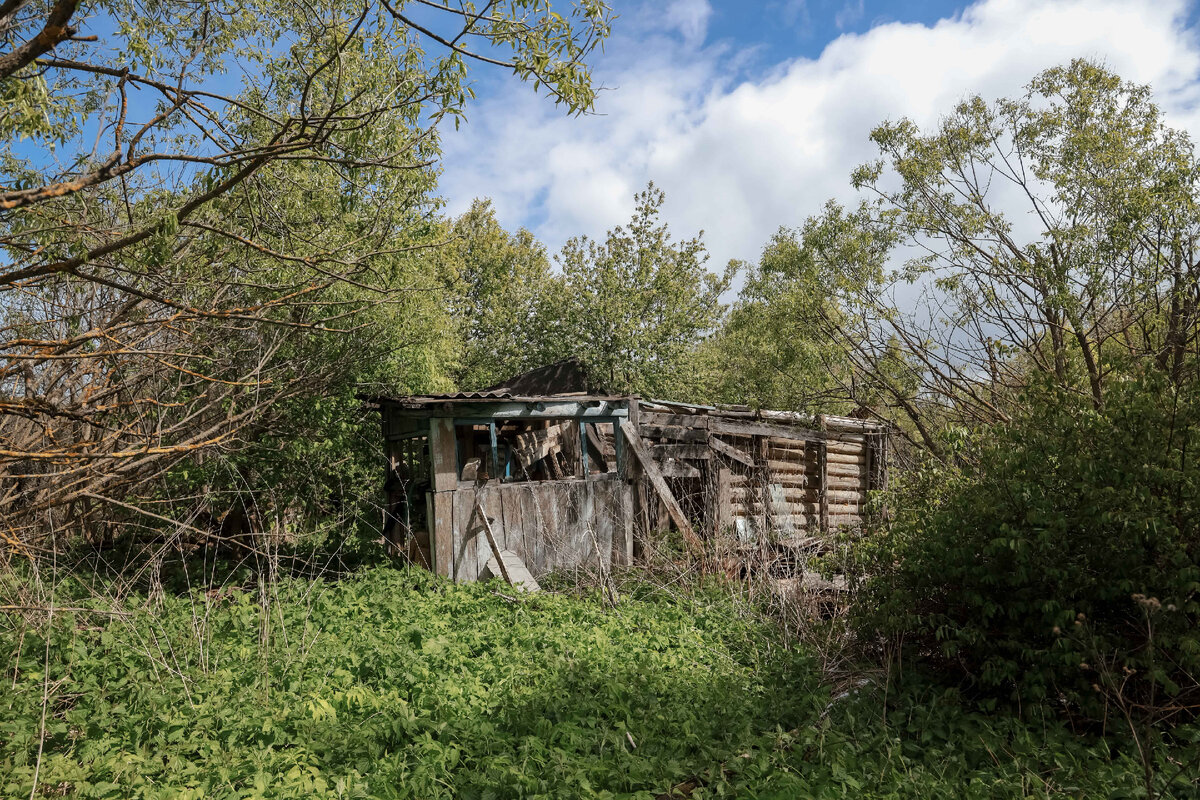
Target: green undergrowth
x=391 y=683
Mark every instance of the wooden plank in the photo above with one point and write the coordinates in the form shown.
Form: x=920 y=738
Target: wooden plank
x=624 y=525
x=486 y=524
x=694 y=452
x=514 y=571
x=823 y=483
x=676 y=433
x=723 y=517
x=443 y=533
x=763 y=429
x=841 y=458
x=804 y=495
x=678 y=469
x=466 y=553
x=521 y=523
x=597 y=445
x=638 y=448
x=602 y=521
x=541 y=506
x=443 y=458
x=510 y=512
x=730 y=451
x=675 y=420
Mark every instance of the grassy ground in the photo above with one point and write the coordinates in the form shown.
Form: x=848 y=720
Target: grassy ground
x=392 y=684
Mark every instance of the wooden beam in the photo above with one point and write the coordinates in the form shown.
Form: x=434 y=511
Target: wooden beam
x=676 y=433
x=442 y=539
x=729 y=450
x=593 y=439
x=698 y=452
x=442 y=455
x=764 y=429
x=657 y=418
x=638 y=447
x=486 y=524
x=678 y=469
x=823 y=483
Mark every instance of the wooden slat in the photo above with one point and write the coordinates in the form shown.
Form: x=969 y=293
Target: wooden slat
x=823 y=483
x=763 y=429
x=684 y=420
x=678 y=469
x=841 y=458
x=676 y=433
x=730 y=451
x=622 y=545
x=638 y=447
x=695 y=452
x=466 y=553
x=443 y=533
x=443 y=459
x=807 y=495
x=723 y=517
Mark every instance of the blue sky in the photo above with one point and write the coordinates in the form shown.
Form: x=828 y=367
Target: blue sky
x=751 y=115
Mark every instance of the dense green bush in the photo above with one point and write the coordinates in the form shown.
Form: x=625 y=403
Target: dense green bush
x=1060 y=556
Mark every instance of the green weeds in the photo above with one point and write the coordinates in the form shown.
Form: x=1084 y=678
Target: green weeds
x=393 y=684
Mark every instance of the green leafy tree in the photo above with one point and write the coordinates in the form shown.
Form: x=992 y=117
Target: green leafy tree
x=500 y=285
x=637 y=305
x=1048 y=365
x=202 y=215
x=1046 y=234
x=780 y=345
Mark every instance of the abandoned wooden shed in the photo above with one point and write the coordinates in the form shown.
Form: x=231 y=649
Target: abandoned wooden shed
x=567 y=476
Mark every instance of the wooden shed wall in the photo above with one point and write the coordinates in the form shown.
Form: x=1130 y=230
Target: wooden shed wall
x=551 y=525
x=763 y=476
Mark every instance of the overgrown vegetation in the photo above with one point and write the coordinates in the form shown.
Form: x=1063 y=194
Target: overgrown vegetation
x=390 y=683
x=1060 y=560
x=196 y=287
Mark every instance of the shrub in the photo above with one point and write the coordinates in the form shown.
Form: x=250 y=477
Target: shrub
x=1058 y=557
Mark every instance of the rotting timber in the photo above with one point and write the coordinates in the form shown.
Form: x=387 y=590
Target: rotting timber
x=569 y=478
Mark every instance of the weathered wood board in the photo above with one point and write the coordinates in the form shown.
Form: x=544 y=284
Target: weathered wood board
x=548 y=525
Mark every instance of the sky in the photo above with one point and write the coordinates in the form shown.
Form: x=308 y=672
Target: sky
x=751 y=115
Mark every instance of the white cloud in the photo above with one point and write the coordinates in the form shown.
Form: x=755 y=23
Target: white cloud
x=851 y=13
x=739 y=159
x=690 y=18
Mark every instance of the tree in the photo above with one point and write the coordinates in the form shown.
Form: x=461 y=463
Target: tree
x=1056 y=233
x=636 y=306
x=183 y=247
x=1035 y=263
x=501 y=283
x=774 y=348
